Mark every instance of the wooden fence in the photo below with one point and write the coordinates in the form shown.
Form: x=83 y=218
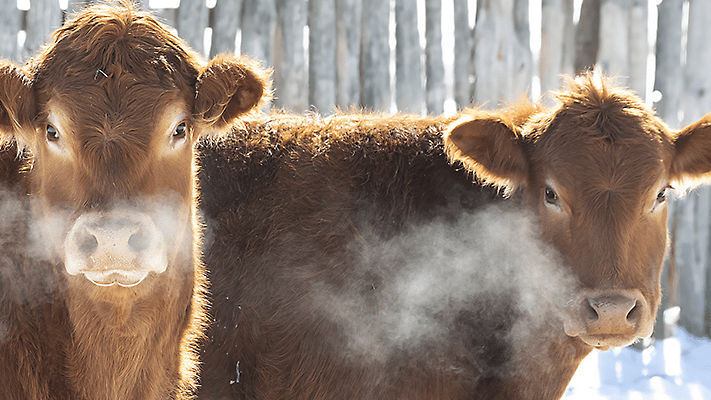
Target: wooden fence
x=435 y=56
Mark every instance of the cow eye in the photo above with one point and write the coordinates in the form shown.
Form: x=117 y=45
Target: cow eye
x=662 y=196
x=52 y=133
x=550 y=196
x=180 y=131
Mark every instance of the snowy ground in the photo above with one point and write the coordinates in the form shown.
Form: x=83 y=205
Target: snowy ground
x=677 y=368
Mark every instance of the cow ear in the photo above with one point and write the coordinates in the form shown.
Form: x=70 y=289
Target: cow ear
x=490 y=149
x=691 y=163
x=229 y=87
x=16 y=102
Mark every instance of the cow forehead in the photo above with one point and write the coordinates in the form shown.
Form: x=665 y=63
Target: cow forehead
x=624 y=155
x=115 y=103
x=106 y=42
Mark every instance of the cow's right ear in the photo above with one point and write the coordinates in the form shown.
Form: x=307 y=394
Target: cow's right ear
x=16 y=102
x=228 y=87
x=691 y=163
x=490 y=149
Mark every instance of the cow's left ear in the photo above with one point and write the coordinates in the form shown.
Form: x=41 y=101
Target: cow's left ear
x=691 y=163
x=490 y=149
x=228 y=87
x=16 y=102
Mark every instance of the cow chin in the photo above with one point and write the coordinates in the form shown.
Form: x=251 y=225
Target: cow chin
x=605 y=342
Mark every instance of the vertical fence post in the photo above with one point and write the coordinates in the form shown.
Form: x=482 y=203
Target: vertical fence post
x=462 y=54
x=74 y=6
x=290 y=75
x=433 y=57
x=9 y=27
x=614 y=53
x=638 y=47
x=669 y=82
x=587 y=36
x=375 y=55
x=409 y=94
x=348 y=25
x=502 y=54
x=556 y=42
x=226 y=23
x=322 y=55
x=192 y=21
x=668 y=75
x=43 y=18
x=694 y=230
x=258 y=27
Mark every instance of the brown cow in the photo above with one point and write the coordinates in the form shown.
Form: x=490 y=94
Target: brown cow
x=350 y=260
x=101 y=287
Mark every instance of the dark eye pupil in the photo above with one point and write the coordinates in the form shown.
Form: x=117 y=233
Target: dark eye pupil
x=180 y=130
x=662 y=195
x=550 y=195
x=52 y=132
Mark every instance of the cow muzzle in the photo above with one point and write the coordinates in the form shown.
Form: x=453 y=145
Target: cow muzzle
x=115 y=248
x=609 y=318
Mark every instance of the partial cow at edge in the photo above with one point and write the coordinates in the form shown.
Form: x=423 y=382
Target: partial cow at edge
x=101 y=284
x=365 y=256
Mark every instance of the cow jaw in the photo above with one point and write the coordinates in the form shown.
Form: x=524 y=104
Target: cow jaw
x=116 y=248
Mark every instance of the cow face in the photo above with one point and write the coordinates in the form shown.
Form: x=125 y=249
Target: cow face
x=596 y=171
x=110 y=112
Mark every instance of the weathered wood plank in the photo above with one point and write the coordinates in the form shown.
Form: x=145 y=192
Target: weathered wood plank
x=625 y=53
x=348 y=25
x=557 y=31
x=322 y=55
x=669 y=72
x=227 y=15
x=503 y=62
x=290 y=74
x=613 y=56
x=695 y=228
x=74 y=6
x=587 y=36
x=258 y=28
x=375 y=56
x=409 y=91
x=9 y=27
x=434 y=66
x=192 y=21
x=638 y=47
x=43 y=18
x=463 y=75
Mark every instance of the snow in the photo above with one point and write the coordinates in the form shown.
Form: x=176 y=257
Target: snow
x=676 y=368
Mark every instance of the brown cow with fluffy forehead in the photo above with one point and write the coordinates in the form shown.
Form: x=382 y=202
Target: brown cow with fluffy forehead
x=356 y=262
x=102 y=291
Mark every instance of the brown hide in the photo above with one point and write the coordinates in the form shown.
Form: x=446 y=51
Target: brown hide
x=308 y=222
x=101 y=287
x=350 y=260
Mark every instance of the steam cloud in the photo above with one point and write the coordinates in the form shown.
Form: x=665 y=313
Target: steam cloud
x=32 y=244
x=489 y=265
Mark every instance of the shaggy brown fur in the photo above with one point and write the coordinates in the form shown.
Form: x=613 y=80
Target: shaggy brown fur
x=304 y=212
x=105 y=118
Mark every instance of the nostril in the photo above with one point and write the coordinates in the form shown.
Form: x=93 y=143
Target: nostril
x=87 y=243
x=590 y=311
x=139 y=241
x=635 y=313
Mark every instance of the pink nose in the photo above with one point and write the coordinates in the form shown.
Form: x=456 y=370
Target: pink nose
x=613 y=314
x=605 y=318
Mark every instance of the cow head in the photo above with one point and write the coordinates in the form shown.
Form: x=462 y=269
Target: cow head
x=110 y=111
x=596 y=170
